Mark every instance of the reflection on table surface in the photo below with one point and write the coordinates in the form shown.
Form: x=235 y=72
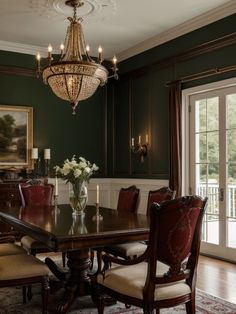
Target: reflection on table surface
x=60 y=222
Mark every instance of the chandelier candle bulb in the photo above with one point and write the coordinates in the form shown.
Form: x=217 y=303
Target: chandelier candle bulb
x=34 y=153
x=49 y=51
x=47 y=153
x=114 y=60
x=38 y=57
x=62 y=47
x=87 y=48
x=97 y=194
x=100 y=54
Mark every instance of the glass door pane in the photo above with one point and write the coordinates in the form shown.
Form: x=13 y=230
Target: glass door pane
x=207 y=163
x=231 y=169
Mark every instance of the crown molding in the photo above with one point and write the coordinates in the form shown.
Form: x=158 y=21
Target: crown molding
x=22 y=48
x=202 y=20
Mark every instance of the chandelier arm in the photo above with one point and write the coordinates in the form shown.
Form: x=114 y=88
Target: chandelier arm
x=84 y=49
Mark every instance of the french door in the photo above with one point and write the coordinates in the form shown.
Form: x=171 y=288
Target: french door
x=212 y=166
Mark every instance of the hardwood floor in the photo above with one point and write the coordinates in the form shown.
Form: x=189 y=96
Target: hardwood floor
x=217 y=277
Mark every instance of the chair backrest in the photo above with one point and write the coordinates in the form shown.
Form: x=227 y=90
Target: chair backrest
x=175 y=233
x=158 y=196
x=128 y=199
x=37 y=194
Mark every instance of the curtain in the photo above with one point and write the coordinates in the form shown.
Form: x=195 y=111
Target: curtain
x=175 y=112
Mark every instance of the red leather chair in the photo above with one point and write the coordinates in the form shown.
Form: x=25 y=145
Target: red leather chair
x=36 y=194
x=134 y=249
x=128 y=199
x=158 y=196
x=165 y=275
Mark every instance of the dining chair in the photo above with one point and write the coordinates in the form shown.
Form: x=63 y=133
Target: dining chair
x=8 y=275
x=128 y=200
x=165 y=274
x=133 y=249
x=36 y=193
x=23 y=270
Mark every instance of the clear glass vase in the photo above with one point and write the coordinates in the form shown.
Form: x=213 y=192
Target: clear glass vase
x=78 y=198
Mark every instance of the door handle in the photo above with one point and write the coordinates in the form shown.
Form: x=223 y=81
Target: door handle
x=221 y=196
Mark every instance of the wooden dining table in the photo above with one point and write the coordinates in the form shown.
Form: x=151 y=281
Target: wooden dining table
x=60 y=231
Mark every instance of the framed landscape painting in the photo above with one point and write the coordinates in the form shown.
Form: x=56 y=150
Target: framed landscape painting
x=16 y=137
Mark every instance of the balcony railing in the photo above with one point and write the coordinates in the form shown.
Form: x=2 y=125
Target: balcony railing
x=212 y=192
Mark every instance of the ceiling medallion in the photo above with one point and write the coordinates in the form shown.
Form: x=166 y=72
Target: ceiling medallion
x=96 y=9
x=76 y=75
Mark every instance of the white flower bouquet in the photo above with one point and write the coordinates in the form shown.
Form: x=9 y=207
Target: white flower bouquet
x=75 y=172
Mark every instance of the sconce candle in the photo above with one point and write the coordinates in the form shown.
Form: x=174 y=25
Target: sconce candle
x=47 y=153
x=139 y=139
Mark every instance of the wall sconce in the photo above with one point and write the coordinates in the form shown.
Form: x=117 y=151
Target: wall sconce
x=140 y=148
x=47 y=157
x=36 y=161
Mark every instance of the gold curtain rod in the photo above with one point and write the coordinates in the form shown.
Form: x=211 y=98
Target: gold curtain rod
x=203 y=74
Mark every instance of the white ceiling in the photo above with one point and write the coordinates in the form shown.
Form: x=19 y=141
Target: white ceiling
x=123 y=27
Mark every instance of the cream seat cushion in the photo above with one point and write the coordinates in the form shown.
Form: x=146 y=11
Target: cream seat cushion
x=129 y=249
x=130 y=280
x=29 y=243
x=10 y=249
x=21 y=266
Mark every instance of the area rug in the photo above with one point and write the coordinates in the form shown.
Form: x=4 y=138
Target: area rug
x=11 y=303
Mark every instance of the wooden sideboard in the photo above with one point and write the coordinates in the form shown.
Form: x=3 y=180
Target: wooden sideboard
x=9 y=197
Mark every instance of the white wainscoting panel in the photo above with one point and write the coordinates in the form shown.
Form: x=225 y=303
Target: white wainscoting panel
x=109 y=190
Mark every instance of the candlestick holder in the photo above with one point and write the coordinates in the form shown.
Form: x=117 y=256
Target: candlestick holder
x=56 y=210
x=97 y=216
x=46 y=167
x=55 y=200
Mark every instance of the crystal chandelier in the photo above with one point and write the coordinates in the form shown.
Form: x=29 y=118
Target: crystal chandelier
x=75 y=76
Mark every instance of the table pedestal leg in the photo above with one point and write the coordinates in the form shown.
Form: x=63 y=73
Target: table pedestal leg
x=78 y=282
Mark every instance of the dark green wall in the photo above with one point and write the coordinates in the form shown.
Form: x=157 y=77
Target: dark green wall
x=141 y=93
x=54 y=126
x=135 y=104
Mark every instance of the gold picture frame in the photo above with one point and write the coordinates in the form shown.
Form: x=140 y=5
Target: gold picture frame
x=16 y=137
